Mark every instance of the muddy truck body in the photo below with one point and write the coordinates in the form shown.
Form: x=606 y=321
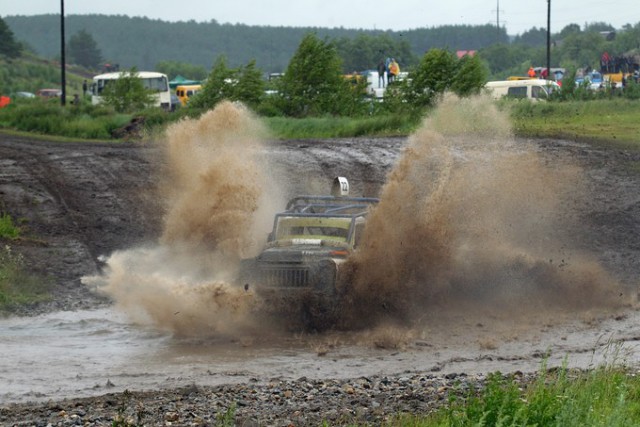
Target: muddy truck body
x=309 y=242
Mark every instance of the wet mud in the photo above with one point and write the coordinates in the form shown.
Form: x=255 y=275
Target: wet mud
x=487 y=252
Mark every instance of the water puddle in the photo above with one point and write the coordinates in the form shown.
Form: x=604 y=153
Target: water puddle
x=89 y=353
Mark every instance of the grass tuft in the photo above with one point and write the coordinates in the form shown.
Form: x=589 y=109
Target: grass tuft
x=605 y=396
x=8 y=230
x=17 y=286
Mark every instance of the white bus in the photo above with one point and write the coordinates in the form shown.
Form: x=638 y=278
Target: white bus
x=157 y=83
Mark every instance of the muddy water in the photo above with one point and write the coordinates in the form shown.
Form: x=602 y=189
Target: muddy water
x=475 y=275
x=75 y=354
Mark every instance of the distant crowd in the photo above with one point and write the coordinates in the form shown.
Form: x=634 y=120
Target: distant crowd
x=388 y=71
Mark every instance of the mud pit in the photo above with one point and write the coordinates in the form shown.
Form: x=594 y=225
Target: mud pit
x=529 y=250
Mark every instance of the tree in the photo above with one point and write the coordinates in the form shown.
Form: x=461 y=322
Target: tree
x=568 y=30
x=364 y=51
x=535 y=37
x=250 y=85
x=470 y=77
x=8 y=46
x=583 y=49
x=598 y=27
x=313 y=83
x=175 y=68
x=504 y=59
x=433 y=76
x=84 y=50
x=242 y=84
x=127 y=93
x=218 y=86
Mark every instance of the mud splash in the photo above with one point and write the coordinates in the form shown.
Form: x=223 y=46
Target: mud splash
x=471 y=222
x=213 y=186
x=472 y=227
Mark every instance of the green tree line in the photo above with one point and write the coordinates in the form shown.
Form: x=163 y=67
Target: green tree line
x=143 y=42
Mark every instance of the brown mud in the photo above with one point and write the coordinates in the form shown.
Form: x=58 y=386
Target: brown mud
x=485 y=248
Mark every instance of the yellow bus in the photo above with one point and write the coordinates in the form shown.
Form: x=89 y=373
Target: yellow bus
x=184 y=92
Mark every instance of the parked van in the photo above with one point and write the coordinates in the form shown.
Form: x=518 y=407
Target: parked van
x=535 y=89
x=185 y=92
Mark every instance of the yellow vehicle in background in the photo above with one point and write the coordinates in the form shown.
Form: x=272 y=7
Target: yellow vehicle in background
x=184 y=92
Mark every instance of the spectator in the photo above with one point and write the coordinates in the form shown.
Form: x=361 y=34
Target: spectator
x=394 y=69
x=381 y=70
x=544 y=73
x=387 y=62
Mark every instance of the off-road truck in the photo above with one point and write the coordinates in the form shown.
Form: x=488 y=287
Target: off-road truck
x=310 y=240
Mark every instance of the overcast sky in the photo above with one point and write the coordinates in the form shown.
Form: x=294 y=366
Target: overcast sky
x=517 y=15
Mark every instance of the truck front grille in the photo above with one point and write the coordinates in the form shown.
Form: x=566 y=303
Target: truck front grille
x=293 y=277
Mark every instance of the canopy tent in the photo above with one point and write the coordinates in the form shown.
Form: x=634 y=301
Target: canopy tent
x=181 y=81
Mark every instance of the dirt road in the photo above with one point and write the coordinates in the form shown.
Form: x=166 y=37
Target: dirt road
x=79 y=202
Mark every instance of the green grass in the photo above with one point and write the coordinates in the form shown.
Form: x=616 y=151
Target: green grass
x=8 y=229
x=17 y=286
x=605 y=396
x=615 y=121
x=611 y=121
x=30 y=73
x=338 y=127
x=49 y=118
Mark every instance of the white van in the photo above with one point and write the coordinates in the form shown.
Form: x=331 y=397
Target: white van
x=535 y=89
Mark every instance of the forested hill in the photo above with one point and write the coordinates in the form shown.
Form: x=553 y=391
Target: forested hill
x=143 y=42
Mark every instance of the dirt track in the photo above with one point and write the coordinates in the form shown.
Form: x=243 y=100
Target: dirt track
x=80 y=201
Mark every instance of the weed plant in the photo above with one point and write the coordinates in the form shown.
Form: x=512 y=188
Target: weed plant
x=49 y=118
x=606 y=396
x=17 y=286
x=8 y=230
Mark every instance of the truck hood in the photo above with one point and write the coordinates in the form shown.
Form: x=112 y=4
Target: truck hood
x=301 y=253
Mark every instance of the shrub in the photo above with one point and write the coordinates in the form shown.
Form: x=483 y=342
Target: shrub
x=313 y=84
x=127 y=93
x=242 y=84
x=7 y=228
x=16 y=286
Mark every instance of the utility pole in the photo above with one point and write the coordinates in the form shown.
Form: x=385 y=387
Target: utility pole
x=548 y=39
x=498 y=21
x=63 y=74
x=498 y=17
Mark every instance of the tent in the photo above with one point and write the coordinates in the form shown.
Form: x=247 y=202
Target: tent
x=182 y=81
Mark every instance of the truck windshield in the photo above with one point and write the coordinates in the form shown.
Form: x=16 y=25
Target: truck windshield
x=315 y=228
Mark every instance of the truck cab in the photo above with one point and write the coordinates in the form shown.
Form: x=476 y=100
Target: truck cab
x=309 y=241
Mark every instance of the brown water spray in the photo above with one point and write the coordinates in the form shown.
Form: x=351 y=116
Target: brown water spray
x=471 y=220
x=213 y=187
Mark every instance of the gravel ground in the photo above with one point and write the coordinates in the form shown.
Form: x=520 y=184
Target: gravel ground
x=372 y=400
